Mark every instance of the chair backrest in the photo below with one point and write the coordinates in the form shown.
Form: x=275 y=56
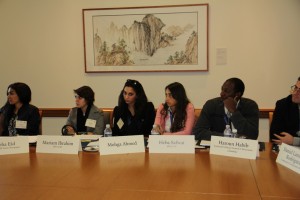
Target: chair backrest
x=197 y=114
x=270 y=118
x=1 y=123
x=40 y=126
x=108 y=116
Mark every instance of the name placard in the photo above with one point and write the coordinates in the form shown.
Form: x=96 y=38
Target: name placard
x=57 y=144
x=122 y=145
x=171 y=144
x=289 y=157
x=234 y=147
x=13 y=145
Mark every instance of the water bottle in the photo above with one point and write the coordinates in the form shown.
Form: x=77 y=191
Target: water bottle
x=234 y=133
x=227 y=131
x=107 y=131
x=153 y=131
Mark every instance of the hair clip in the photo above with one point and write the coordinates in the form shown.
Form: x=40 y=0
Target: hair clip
x=131 y=81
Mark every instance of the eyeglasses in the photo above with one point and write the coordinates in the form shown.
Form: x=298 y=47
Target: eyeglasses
x=294 y=89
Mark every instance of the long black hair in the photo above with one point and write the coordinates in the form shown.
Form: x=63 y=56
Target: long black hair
x=141 y=98
x=178 y=93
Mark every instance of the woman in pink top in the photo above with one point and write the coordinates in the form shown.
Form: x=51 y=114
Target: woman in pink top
x=176 y=116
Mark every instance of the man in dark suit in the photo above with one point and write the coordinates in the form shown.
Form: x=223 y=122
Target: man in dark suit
x=231 y=109
x=285 y=126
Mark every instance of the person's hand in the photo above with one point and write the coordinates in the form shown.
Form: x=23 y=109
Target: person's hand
x=283 y=138
x=70 y=130
x=158 y=129
x=230 y=104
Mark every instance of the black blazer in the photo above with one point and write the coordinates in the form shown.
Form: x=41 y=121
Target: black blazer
x=27 y=113
x=285 y=117
x=137 y=125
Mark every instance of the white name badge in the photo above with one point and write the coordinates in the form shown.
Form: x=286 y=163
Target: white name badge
x=21 y=124
x=234 y=147
x=13 y=145
x=171 y=144
x=122 y=145
x=57 y=144
x=90 y=123
x=289 y=157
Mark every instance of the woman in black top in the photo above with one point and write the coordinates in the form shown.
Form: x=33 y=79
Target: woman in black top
x=18 y=116
x=134 y=115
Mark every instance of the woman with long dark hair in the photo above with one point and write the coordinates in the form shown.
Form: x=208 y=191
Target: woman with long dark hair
x=176 y=116
x=134 y=115
x=18 y=116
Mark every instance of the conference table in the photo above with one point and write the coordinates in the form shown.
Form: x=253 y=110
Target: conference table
x=90 y=175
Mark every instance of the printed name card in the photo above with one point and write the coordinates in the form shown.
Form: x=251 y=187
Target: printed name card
x=122 y=145
x=289 y=157
x=13 y=145
x=57 y=144
x=234 y=147
x=171 y=144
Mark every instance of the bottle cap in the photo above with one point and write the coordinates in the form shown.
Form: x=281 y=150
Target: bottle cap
x=107 y=125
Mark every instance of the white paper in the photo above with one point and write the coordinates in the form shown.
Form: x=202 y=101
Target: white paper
x=198 y=146
x=21 y=124
x=90 y=123
x=234 y=147
x=171 y=144
x=32 y=138
x=14 y=145
x=289 y=156
x=89 y=137
x=205 y=143
x=121 y=145
x=57 y=144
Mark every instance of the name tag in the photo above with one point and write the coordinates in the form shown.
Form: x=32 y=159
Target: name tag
x=90 y=123
x=57 y=144
x=122 y=145
x=171 y=144
x=14 y=145
x=289 y=157
x=234 y=147
x=21 y=124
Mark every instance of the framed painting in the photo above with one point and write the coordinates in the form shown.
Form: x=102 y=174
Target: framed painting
x=146 y=39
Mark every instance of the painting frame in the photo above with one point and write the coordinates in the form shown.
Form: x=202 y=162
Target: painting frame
x=171 y=38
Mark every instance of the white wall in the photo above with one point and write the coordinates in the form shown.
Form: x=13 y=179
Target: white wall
x=41 y=43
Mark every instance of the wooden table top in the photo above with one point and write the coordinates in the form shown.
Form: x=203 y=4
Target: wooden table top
x=145 y=176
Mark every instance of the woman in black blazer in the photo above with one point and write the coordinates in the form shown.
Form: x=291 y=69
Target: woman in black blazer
x=134 y=115
x=18 y=116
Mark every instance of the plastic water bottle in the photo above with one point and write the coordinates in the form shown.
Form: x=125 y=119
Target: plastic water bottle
x=107 y=131
x=227 y=131
x=234 y=133
x=153 y=131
